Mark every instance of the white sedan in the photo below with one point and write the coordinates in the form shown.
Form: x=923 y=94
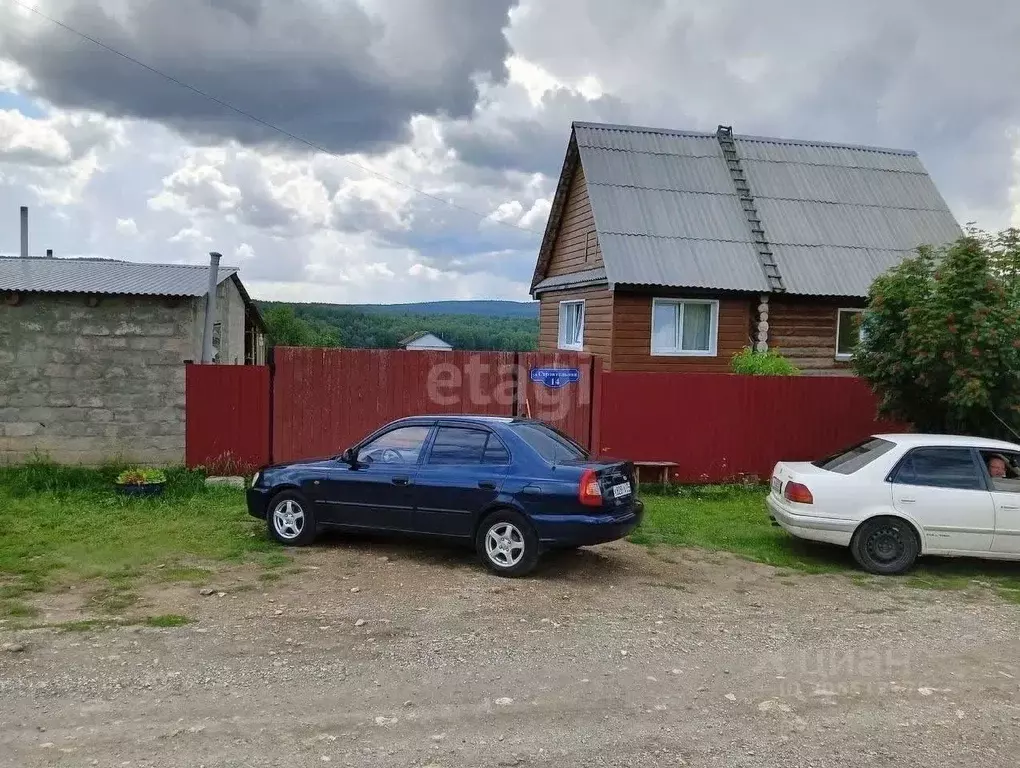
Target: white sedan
x=893 y=498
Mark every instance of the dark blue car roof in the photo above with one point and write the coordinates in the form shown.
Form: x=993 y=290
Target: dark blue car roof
x=461 y=417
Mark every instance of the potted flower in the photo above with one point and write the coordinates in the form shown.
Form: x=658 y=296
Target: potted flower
x=141 y=482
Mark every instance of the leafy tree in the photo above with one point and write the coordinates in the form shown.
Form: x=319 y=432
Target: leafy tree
x=284 y=328
x=941 y=338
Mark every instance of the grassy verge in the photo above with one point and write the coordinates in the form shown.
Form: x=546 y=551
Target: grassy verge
x=733 y=519
x=64 y=525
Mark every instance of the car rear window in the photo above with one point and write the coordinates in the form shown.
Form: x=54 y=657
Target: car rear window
x=848 y=461
x=550 y=444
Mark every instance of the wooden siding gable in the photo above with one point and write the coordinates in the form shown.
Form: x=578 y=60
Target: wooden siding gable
x=576 y=246
x=570 y=243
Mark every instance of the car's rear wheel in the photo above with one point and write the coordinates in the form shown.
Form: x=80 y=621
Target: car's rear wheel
x=885 y=545
x=291 y=520
x=507 y=543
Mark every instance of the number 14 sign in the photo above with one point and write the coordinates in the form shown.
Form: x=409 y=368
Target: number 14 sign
x=555 y=377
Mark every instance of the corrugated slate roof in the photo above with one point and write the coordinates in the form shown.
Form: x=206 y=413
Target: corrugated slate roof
x=665 y=209
x=808 y=271
x=102 y=276
x=837 y=217
x=687 y=263
x=573 y=280
x=667 y=212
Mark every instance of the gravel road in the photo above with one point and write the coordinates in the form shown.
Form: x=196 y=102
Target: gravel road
x=389 y=654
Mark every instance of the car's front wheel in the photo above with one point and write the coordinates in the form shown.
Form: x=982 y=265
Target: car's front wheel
x=885 y=545
x=507 y=543
x=291 y=520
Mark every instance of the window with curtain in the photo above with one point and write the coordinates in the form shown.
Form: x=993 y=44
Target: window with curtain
x=571 y=335
x=684 y=327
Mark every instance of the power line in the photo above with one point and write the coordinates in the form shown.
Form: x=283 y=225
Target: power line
x=266 y=123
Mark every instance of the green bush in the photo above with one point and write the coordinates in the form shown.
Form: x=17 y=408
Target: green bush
x=140 y=476
x=747 y=362
x=939 y=343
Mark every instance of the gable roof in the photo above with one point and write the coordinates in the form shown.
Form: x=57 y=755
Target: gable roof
x=418 y=336
x=667 y=211
x=116 y=278
x=106 y=276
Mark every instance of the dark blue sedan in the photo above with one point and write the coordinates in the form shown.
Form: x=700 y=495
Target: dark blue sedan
x=512 y=487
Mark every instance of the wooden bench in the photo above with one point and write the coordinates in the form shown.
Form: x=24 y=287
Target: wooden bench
x=662 y=466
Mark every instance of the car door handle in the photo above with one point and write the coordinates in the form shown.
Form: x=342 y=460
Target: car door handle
x=1011 y=509
x=488 y=485
x=401 y=480
x=907 y=501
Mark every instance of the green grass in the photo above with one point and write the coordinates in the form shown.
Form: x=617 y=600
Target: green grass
x=64 y=524
x=16 y=609
x=196 y=577
x=730 y=519
x=733 y=519
x=167 y=620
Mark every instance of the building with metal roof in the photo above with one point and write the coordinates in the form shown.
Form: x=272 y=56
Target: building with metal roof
x=801 y=228
x=93 y=354
x=106 y=277
x=424 y=340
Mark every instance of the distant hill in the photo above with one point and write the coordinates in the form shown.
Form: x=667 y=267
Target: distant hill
x=475 y=325
x=480 y=307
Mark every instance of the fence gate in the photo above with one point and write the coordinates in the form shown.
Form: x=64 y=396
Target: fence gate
x=560 y=388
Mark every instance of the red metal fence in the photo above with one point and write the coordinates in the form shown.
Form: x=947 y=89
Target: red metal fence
x=716 y=427
x=324 y=400
x=720 y=427
x=227 y=417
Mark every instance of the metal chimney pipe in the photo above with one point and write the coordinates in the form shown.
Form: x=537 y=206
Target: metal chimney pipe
x=210 y=307
x=24 y=231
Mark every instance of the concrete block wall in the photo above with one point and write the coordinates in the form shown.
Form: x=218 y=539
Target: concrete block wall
x=82 y=384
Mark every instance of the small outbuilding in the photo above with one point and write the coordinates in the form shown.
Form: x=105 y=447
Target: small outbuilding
x=93 y=354
x=424 y=340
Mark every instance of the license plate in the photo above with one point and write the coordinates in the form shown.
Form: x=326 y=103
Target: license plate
x=621 y=489
x=777 y=484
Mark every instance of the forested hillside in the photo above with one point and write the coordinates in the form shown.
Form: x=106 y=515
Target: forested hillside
x=330 y=325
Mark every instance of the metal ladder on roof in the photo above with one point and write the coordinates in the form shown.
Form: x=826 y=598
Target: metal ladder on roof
x=724 y=134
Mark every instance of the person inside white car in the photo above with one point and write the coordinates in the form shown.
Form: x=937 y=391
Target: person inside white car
x=1005 y=476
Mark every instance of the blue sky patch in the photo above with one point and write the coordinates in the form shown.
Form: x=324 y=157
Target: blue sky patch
x=23 y=104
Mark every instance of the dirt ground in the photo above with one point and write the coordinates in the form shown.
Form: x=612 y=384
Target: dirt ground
x=390 y=654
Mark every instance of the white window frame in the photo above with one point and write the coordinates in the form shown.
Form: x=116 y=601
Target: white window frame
x=713 y=329
x=839 y=320
x=561 y=341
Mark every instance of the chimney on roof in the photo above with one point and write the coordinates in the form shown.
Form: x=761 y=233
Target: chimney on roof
x=210 y=308
x=24 y=231
x=49 y=253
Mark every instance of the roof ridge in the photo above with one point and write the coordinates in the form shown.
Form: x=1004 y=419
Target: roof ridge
x=118 y=262
x=744 y=137
x=749 y=241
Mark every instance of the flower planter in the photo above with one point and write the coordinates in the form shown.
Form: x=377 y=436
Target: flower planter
x=140 y=489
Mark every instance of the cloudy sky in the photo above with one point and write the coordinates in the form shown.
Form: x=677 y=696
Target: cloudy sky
x=444 y=122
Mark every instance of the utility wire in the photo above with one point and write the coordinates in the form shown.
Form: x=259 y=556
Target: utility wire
x=266 y=123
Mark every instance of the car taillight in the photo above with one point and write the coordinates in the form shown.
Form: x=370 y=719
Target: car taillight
x=589 y=493
x=798 y=493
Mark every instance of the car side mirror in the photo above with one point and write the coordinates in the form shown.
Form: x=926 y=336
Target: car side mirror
x=349 y=457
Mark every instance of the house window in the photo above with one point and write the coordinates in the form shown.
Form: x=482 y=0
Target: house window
x=687 y=327
x=571 y=334
x=849 y=332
